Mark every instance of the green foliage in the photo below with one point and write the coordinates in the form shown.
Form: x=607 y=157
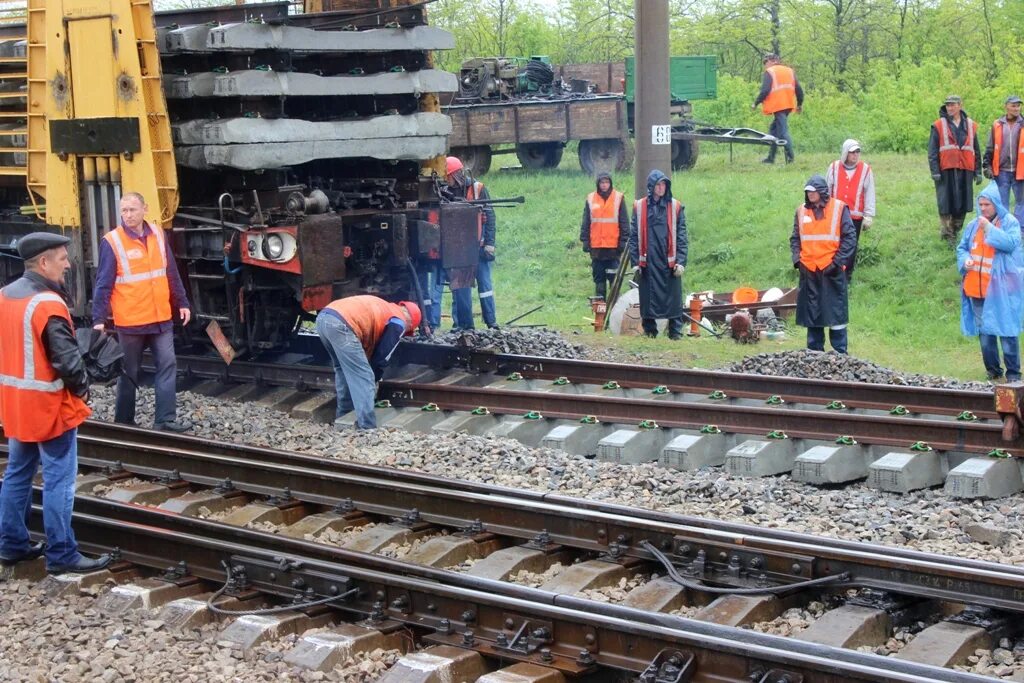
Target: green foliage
x=721 y=253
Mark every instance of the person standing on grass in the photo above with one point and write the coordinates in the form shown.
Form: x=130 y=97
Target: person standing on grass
x=461 y=183
x=851 y=181
x=821 y=245
x=658 y=248
x=603 y=232
x=992 y=294
x=780 y=95
x=954 y=158
x=1004 y=157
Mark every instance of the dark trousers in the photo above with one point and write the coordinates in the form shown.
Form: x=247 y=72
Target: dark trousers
x=164 y=382
x=603 y=271
x=836 y=337
x=650 y=325
x=780 y=129
x=857 y=224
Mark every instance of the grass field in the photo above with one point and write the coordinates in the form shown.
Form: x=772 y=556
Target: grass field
x=905 y=302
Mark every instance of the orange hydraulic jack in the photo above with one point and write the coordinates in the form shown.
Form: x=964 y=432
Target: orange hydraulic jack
x=696 y=306
x=600 y=308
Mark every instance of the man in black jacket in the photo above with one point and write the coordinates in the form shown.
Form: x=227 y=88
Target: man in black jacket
x=603 y=232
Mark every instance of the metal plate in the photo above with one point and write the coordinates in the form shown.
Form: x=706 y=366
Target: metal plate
x=113 y=135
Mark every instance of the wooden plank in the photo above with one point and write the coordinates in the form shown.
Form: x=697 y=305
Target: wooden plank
x=595 y=119
x=607 y=76
x=542 y=122
x=489 y=126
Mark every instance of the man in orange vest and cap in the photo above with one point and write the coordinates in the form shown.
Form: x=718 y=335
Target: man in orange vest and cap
x=138 y=282
x=780 y=94
x=360 y=333
x=851 y=180
x=954 y=157
x=821 y=245
x=603 y=232
x=1004 y=156
x=43 y=388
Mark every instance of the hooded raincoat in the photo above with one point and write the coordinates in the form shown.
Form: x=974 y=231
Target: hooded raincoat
x=1004 y=300
x=822 y=299
x=661 y=294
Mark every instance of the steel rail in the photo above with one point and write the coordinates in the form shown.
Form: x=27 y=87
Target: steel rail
x=613 y=636
x=754 y=554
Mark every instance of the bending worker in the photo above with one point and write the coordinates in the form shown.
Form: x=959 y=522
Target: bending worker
x=138 y=281
x=43 y=387
x=360 y=333
x=603 y=232
x=991 y=296
x=462 y=184
x=822 y=243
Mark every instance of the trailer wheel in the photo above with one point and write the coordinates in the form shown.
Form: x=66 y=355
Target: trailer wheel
x=605 y=156
x=476 y=158
x=538 y=155
x=684 y=154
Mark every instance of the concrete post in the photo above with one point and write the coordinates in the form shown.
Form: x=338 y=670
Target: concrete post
x=652 y=91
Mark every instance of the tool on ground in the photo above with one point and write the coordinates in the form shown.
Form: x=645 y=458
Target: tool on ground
x=520 y=317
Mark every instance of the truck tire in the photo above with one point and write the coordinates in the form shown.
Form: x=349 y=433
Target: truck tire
x=605 y=156
x=538 y=155
x=476 y=158
x=684 y=154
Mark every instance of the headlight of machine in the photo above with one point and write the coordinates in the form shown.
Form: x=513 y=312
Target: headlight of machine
x=273 y=247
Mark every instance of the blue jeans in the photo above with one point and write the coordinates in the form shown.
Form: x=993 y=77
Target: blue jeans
x=780 y=129
x=1005 y=181
x=990 y=348
x=462 y=299
x=60 y=465
x=432 y=285
x=164 y=381
x=353 y=377
x=837 y=336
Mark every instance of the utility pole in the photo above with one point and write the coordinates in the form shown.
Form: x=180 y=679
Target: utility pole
x=653 y=134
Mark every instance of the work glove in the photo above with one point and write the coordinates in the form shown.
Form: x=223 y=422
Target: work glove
x=867 y=222
x=678 y=270
x=831 y=269
x=936 y=177
x=586 y=248
x=987 y=172
x=489 y=249
x=977 y=179
x=636 y=270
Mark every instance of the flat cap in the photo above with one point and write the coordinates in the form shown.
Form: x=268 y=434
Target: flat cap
x=36 y=243
x=953 y=99
x=1013 y=99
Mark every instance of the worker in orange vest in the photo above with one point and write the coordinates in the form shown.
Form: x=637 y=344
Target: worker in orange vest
x=360 y=333
x=603 y=232
x=992 y=292
x=954 y=157
x=821 y=245
x=43 y=389
x=780 y=95
x=138 y=282
x=1004 y=156
x=851 y=180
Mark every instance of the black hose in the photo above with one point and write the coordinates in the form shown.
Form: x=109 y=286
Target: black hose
x=419 y=297
x=768 y=590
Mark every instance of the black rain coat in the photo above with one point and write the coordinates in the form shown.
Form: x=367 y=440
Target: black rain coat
x=661 y=294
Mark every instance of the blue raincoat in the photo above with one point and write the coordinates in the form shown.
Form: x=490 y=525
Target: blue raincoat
x=1004 y=300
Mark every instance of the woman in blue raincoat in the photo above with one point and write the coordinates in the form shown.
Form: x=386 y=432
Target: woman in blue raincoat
x=992 y=292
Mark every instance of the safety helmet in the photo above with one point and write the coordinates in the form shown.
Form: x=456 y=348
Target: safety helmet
x=414 y=315
x=452 y=164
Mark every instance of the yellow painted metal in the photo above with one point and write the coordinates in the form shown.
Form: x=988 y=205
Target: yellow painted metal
x=91 y=59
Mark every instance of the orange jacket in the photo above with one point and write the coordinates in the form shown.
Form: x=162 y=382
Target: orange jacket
x=34 y=403
x=141 y=294
x=997 y=145
x=367 y=316
x=952 y=155
x=783 y=93
x=604 y=220
x=819 y=238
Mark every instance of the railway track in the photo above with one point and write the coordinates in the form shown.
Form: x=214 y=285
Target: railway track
x=296 y=524
x=822 y=432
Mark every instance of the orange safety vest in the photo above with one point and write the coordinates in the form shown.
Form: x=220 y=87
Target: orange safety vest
x=604 y=219
x=978 y=276
x=473 y=192
x=34 y=404
x=368 y=316
x=640 y=207
x=142 y=294
x=819 y=237
x=997 y=139
x=951 y=155
x=783 y=93
x=850 y=189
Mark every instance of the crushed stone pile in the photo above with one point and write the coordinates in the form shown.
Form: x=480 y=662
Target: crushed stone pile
x=521 y=341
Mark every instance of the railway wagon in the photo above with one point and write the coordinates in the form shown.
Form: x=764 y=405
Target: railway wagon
x=292 y=157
